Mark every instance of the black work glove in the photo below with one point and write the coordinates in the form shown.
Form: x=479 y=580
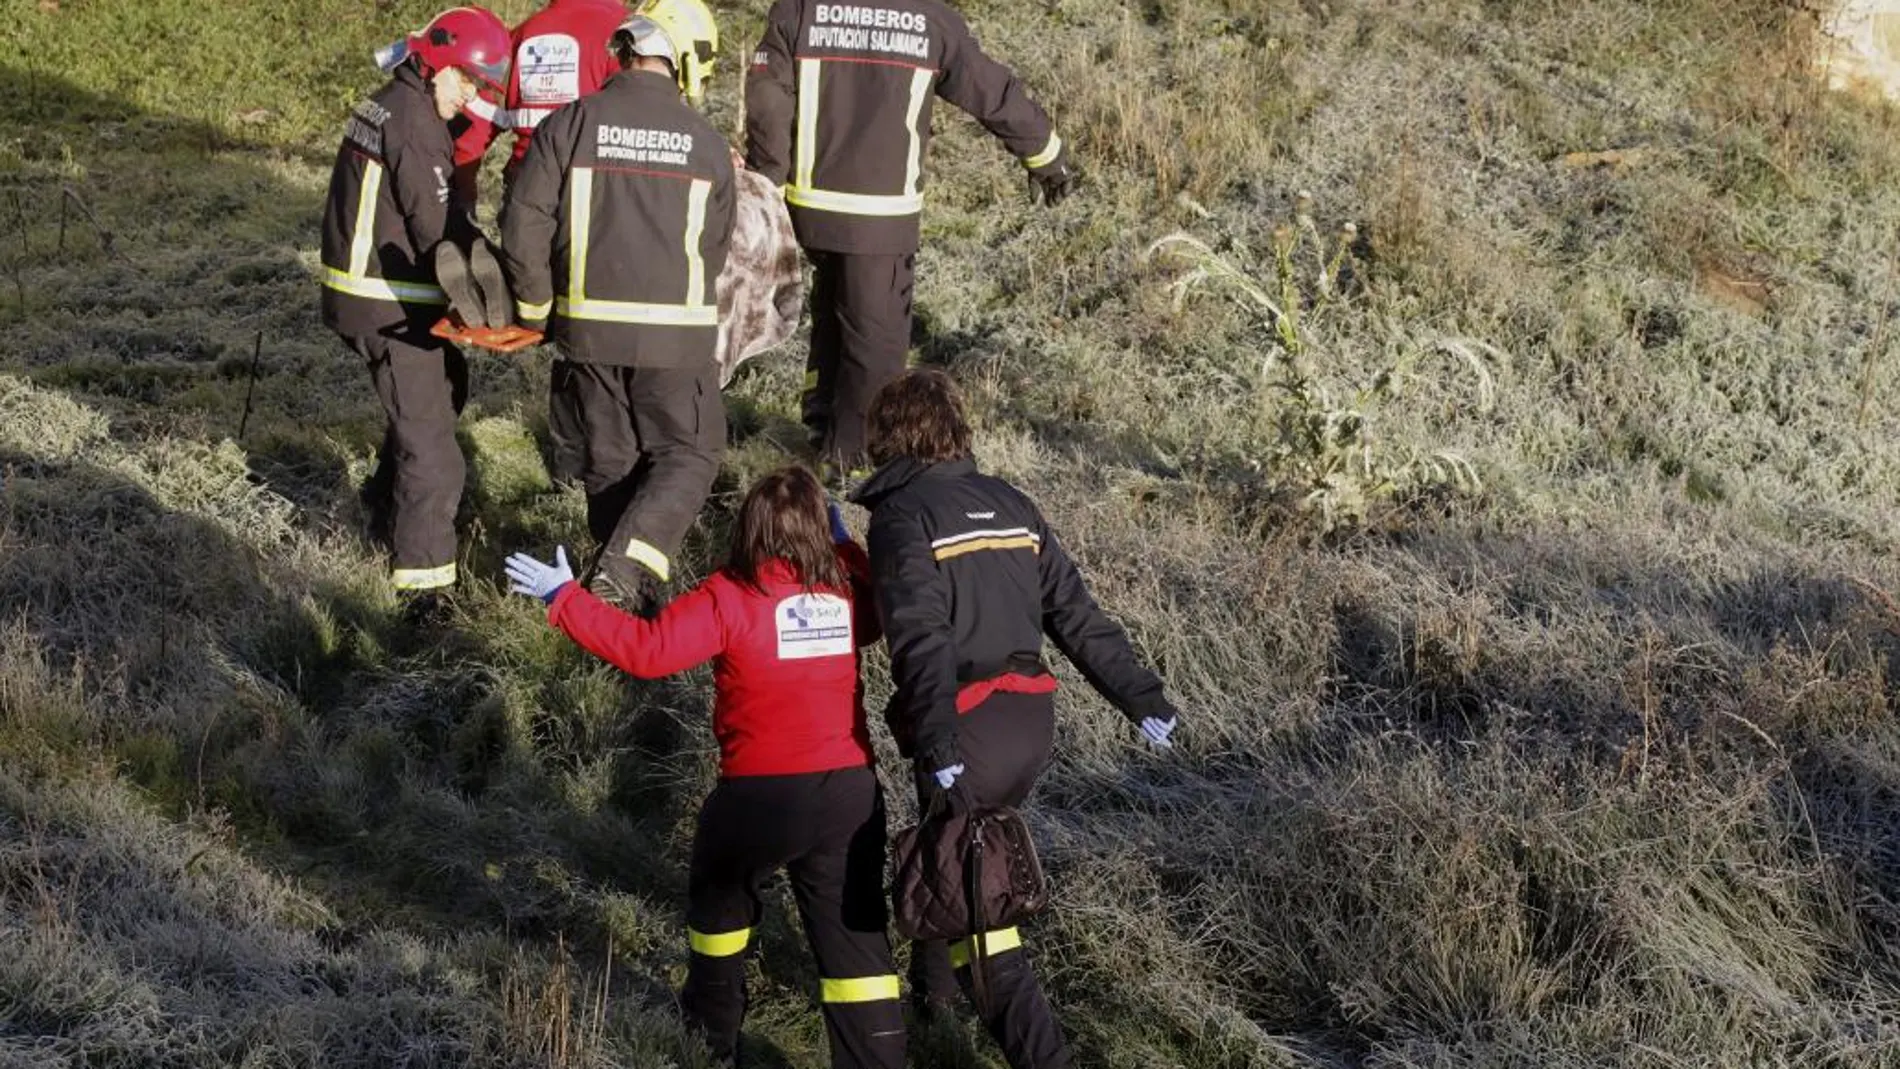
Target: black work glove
x=1054 y=180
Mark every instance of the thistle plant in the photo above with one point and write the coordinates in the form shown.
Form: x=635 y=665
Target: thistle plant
x=1324 y=445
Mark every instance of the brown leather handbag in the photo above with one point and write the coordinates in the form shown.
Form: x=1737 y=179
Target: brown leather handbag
x=960 y=871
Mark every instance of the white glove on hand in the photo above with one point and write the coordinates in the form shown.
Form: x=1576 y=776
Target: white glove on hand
x=1157 y=730
x=527 y=575
x=947 y=777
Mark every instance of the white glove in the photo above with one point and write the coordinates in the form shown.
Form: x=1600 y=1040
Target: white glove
x=527 y=575
x=1157 y=730
x=947 y=777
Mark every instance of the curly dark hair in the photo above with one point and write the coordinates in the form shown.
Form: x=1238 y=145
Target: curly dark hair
x=919 y=415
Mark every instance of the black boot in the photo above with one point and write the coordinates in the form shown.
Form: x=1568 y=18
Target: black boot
x=628 y=584
x=453 y=274
x=426 y=610
x=498 y=305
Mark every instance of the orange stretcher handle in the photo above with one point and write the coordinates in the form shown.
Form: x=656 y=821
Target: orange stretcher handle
x=501 y=339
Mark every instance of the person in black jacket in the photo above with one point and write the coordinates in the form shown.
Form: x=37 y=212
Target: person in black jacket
x=615 y=230
x=968 y=580
x=388 y=209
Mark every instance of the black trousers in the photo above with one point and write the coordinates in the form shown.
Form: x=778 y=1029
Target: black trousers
x=1005 y=743
x=422 y=383
x=826 y=829
x=860 y=340
x=645 y=443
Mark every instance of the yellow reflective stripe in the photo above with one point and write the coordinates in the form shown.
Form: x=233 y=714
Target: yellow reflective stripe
x=652 y=558
x=580 y=212
x=665 y=315
x=993 y=943
x=914 y=161
x=811 y=378
x=534 y=311
x=1028 y=542
x=826 y=200
x=577 y=305
x=718 y=944
x=1048 y=154
x=363 y=239
x=357 y=281
x=805 y=136
x=382 y=289
x=858 y=989
x=423 y=578
x=695 y=227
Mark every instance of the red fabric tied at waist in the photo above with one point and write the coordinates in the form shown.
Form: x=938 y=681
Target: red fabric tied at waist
x=971 y=695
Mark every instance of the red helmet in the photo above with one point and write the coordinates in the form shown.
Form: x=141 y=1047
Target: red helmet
x=471 y=38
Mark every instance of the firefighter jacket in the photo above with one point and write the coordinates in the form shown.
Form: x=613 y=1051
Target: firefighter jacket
x=838 y=112
x=617 y=226
x=786 y=696
x=387 y=208
x=560 y=56
x=969 y=579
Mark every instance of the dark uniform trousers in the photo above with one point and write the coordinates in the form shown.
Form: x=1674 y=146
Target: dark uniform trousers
x=417 y=485
x=645 y=444
x=1005 y=744
x=826 y=829
x=860 y=340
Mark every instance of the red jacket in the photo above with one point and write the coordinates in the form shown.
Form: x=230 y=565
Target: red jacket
x=786 y=693
x=560 y=56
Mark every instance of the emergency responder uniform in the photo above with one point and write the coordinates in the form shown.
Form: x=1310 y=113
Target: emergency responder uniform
x=560 y=55
x=838 y=112
x=614 y=232
x=969 y=580
x=387 y=209
x=796 y=790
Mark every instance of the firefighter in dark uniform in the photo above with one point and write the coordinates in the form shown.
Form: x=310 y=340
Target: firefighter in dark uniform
x=838 y=113
x=782 y=621
x=968 y=581
x=614 y=231
x=388 y=208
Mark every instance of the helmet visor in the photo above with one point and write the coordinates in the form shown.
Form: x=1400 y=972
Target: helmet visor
x=649 y=38
x=494 y=75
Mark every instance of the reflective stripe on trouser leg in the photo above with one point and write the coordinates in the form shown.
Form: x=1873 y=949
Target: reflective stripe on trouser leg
x=713 y=1001
x=838 y=884
x=423 y=578
x=864 y=1021
x=719 y=944
x=606 y=448
x=648 y=556
x=859 y=988
x=681 y=426
x=993 y=943
x=1017 y=1015
x=422 y=391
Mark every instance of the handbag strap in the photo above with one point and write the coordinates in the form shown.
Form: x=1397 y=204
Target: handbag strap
x=979 y=915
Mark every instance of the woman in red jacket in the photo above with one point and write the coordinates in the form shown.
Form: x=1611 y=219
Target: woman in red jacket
x=782 y=622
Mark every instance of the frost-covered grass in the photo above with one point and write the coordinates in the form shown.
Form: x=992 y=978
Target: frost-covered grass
x=1515 y=528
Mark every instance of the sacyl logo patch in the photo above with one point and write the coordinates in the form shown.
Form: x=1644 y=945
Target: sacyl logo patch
x=813 y=625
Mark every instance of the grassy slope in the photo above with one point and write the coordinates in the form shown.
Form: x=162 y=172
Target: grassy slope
x=1589 y=763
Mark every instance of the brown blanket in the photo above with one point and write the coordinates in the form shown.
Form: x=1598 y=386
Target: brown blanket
x=761 y=290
